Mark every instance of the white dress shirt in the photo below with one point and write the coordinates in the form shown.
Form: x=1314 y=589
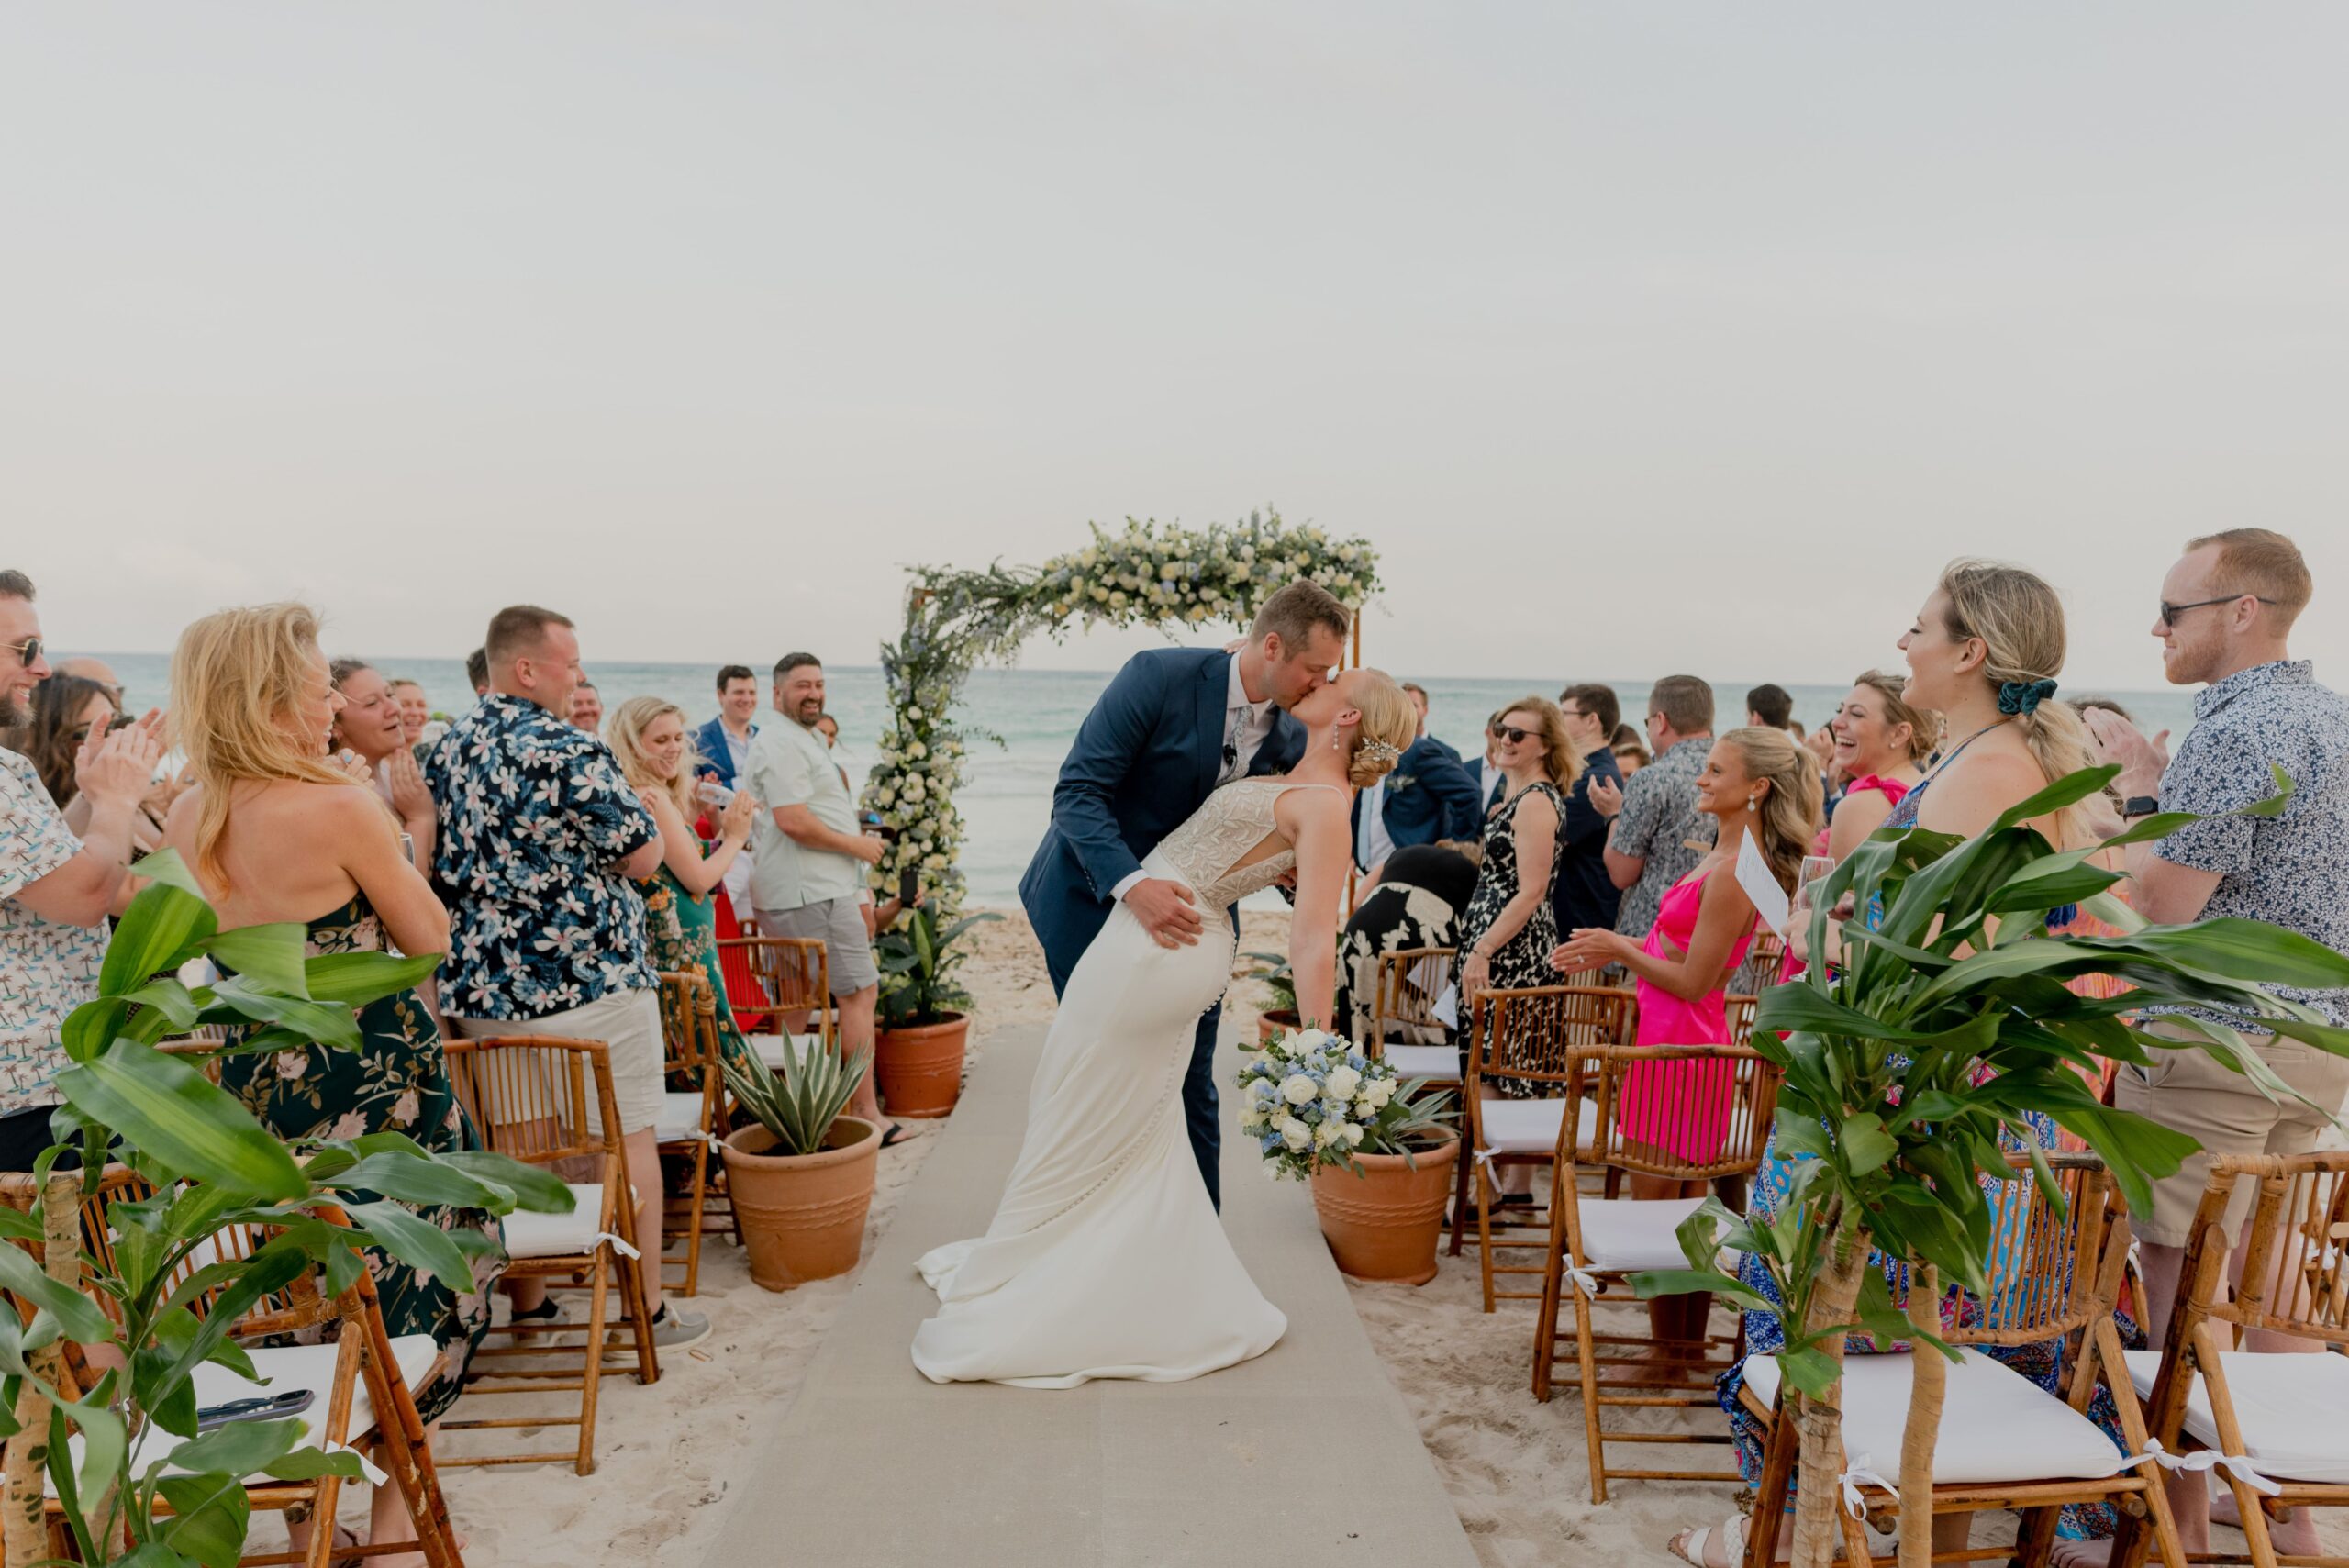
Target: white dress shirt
x=1246 y=727
x=1372 y=846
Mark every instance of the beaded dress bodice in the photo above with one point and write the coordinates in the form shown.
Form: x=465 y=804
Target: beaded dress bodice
x=1207 y=850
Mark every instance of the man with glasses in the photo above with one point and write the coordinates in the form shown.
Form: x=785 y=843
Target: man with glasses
x=2227 y=607
x=1659 y=835
x=1583 y=894
x=56 y=888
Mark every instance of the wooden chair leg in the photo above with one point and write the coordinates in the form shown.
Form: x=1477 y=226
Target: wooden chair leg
x=1779 y=1456
x=1460 y=1195
x=2035 y=1536
x=1485 y=1191
x=1553 y=1268
x=1586 y=1357
x=693 y=1219
x=591 y=1371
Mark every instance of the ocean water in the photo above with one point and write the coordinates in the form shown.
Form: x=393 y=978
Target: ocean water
x=1006 y=792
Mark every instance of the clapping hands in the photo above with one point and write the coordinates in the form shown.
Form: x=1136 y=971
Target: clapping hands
x=116 y=767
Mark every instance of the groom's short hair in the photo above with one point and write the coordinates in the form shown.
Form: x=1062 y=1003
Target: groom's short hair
x=1294 y=611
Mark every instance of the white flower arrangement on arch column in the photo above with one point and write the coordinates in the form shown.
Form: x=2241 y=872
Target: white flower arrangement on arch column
x=1149 y=573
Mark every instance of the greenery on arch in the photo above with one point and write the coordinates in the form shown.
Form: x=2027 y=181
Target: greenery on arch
x=1147 y=574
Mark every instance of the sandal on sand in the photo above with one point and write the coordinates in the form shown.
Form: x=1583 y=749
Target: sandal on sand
x=897 y=1134
x=1690 y=1546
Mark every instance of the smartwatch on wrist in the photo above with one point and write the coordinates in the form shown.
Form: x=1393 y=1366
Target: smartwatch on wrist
x=2140 y=805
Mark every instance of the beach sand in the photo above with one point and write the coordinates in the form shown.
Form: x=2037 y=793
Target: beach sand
x=669 y=1456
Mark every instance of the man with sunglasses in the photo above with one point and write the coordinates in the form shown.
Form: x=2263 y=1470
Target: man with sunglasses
x=56 y=888
x=2227 y=607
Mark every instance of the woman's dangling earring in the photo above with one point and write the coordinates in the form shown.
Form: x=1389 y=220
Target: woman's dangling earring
x=1754 y=803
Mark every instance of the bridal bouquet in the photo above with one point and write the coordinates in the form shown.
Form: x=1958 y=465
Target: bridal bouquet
x=1311 y=1099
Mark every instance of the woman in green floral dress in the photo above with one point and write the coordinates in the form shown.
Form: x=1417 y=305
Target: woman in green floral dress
x=655 y=754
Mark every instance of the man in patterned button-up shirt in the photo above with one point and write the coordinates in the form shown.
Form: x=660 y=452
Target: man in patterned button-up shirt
x=2226 y=609
x=541 y=842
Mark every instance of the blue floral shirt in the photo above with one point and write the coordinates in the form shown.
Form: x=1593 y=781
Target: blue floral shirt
x=534 y=819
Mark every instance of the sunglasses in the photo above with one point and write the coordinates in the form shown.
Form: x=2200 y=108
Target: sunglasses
x=2171 y=612
x=29 y=650
x=1511 y=734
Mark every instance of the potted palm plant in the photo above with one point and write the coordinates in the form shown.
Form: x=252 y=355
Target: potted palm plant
x=800 y=1173
x=918 y=1048
x=1943 y=1022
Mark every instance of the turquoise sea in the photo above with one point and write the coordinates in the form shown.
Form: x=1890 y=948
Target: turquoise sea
x=1007 y=796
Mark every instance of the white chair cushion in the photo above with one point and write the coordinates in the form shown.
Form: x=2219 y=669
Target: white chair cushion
x=1633 y=1233
x=283 y=1370
x=1441 y=1062
x=1997 y=1425
x=770 y=1047
x=680 y=1119
x=557 y=1235
x=1531 y=1126
x=2290 y=1406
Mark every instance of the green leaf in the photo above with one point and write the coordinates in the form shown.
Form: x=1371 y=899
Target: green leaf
x=534 y=1187
x=356 y=979
x=415 y=1242
x=327 y=1023
x=210 y=1516
x=2070 y=790
x=239 y=1448
x=1866 y=1146
x=92 y=1027
x=168 y=997
x=309 y=1464
x=152 y=1554
x=167 y=924
x=1652 y=1282
x=105 y=1441
x=268 y=955
x=2239 y=950
x=2274 y=804
x=1813 y=1371
x=165 y=1107
x=422 y=1182
x=83 y=1321
x=1796 y=1133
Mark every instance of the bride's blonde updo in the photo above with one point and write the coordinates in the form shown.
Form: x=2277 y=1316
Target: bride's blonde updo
x=1389 y=725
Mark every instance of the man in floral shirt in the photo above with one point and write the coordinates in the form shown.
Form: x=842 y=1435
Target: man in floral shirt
x=540 y=844
x=1659 y=835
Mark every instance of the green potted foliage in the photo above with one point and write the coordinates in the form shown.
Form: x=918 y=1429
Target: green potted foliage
x=210 y=1166
x=800 y=1174
x=1882 y=1092
x=918 y=1048
x=1280 y=1014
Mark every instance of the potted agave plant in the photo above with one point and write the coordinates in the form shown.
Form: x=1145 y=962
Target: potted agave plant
x=1378 y=1151
x=801 y=1174
x=918 y=1048
x=1280 y=1015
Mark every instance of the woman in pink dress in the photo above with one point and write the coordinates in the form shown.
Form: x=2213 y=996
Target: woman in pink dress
x=1756 y=782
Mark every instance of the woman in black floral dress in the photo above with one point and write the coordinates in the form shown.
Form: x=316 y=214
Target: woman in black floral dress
x=1507 y=936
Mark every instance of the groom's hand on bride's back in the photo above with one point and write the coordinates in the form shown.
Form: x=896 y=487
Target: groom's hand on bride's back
x=1165 y=911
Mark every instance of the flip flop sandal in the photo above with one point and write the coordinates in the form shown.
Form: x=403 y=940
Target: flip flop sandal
x=1690 y=1548
x=897 y=1134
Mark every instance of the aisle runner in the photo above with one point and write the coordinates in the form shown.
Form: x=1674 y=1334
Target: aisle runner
x=1305 y=1456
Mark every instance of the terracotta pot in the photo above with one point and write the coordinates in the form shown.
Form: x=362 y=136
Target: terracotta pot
x=1384 y=1223
x=1280 y=1020
x=802 y=1214
x=918 y=1068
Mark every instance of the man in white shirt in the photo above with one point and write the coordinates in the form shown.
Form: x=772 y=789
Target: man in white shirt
x=809 y=854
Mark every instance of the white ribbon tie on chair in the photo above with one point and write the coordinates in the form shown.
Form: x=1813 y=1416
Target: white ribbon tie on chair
x=1860 y=1476
x=622 y=1248
x=367 y=1467
x=1582 y=1280
x=2206 y=1459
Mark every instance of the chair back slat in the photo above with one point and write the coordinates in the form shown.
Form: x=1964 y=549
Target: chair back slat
x=528 y=1095
x=1690 y=1112
x=2295 y=1260
x=793 y=974
x=1543 y=1033
x=2050 y=1264
x=1740 y=1009
x=1410 y=982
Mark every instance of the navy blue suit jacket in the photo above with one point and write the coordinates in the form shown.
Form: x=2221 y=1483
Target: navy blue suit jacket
x=1438 y=802
x=717 y=762
x=1144 y=759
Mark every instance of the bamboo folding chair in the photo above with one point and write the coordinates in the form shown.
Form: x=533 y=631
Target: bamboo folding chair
x=795 y=976
x=2003 y=1442
x=1404 y=1030
x=354 y=1377
x=1740 y=1010
x=1716 y=1102
x=2272 y=1418
x=688 y=1125
x=1537 y=1035
x=528 y=1096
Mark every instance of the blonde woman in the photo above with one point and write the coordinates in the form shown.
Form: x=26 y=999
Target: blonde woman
x=274 y=831
x=1880 y=742
x=1105 y=1258
x=371 y=729
x=656 y=756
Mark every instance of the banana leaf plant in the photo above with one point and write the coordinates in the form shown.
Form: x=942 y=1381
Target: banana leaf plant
x=207 y=1166
x=1944 y=1019
x=917 y=958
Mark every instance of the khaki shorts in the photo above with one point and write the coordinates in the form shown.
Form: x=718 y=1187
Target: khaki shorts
x=839 y=924
x=2189 y=1092
x=628 y=1023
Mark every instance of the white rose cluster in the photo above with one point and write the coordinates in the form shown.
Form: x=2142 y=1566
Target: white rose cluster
x=1150 y=574
x=1310 y=1099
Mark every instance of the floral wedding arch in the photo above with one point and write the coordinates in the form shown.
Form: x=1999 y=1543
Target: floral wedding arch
x=1149 y=574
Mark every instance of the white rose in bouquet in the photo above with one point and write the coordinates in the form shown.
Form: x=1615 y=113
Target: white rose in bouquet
x=1295 y=1134
x=1326 y=1134
x=1300 y=1090
x=1341 y=1083
x=1378 y=1091
x=1353 y=1135
x=1252 y=1119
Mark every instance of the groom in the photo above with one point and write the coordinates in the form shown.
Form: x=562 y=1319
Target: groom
x=1175 y=724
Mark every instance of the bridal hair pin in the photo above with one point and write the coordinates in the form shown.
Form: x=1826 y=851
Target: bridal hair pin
x=1380 y=751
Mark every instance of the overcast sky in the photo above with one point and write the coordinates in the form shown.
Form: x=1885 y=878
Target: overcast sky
x=1635 y=338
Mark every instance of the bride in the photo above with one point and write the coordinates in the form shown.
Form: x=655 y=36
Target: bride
x=1106 y=1258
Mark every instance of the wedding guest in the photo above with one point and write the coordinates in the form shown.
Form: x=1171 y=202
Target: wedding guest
x=274 y=831
x=416 y=711
x=477 y=671
x=808 y=855
x=542 y=842
x=1630 y=752
x=1419 y=695
x=55 y=887
x=1427 y=796
x=1881 y=745
x=65 y=711
x=1418 y=903
x=1489 y=775
x=648 y=737
x=1770 y=707
x=586 y=708
x=2227 y=608
x=1756 y=781
x=722 y=746
x=368 y=725
x=86 y=667
x=1654 y=814
x=1585 y=894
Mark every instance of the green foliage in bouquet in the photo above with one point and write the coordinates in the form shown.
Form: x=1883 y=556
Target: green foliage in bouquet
x=918 y=960
x=206 y=1166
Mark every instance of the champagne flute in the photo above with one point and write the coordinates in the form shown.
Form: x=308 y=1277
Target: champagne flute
x=1815 y=872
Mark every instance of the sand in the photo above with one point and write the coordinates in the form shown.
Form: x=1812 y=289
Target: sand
x=668 y=1455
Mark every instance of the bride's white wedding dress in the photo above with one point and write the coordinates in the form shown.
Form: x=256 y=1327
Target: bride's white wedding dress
x=1106 y=1258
